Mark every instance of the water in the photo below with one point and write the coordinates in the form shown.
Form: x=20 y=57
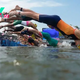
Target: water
x=39 y=63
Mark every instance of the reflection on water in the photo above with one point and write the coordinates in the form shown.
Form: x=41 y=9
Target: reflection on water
x=39 y=63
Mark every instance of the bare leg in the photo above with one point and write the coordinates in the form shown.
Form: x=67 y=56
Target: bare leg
x=8 y=19
x=33 y=30
x=8 y=25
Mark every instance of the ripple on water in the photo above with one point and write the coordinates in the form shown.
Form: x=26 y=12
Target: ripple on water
x=39 y=63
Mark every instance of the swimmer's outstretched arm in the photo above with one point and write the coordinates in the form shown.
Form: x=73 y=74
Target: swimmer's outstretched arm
x=18 y=32
x=12 y=18
x=32 y=15
x=34 y=31
x=17 y=7
x=25 y=12
x=8 y=25
x=7 y=30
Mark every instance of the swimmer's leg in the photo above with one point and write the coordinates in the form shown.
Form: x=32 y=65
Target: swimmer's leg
x=36 y=32
x=11 y=25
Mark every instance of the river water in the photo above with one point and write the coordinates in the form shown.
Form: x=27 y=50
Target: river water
x=39 y=63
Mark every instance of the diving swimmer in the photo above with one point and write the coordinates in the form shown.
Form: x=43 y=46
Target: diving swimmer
x=53 y=20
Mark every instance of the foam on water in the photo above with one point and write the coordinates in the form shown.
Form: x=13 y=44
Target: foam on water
x=65 y=44
x=43 y=45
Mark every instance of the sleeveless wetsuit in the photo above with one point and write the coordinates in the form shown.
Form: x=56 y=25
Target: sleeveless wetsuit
x=58 y=23
x=26 y=18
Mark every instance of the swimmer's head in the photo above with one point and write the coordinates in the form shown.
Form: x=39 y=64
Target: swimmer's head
x=35 y=25
x=32 y=41
x=4 y=13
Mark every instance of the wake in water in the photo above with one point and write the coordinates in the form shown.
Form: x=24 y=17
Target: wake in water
x=67 y=44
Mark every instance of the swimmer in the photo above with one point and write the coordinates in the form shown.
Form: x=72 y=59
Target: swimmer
x=16 y=22
x=14 y=29
x=29 y=39
x=57 y=43
x=32 y=32
x=51 y=41
x=53 y=20
x=11 y=18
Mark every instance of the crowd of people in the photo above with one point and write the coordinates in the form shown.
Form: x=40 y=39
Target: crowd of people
x=33 y=36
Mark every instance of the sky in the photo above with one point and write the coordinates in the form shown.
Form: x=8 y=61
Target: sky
x=68 y=10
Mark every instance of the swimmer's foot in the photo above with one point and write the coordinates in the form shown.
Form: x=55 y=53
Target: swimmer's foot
x=17 y=7
x=13 y=13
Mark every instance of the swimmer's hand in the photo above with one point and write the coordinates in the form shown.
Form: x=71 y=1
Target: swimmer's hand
x=1 y=27
x=13 y=13
x=11 y=10
x=11 y=32
x=16 y=8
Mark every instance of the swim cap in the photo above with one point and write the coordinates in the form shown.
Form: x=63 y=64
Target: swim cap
x=78 y=46
x=35 y=25
x=27 y=22
x=33 y=36
x=30 y=40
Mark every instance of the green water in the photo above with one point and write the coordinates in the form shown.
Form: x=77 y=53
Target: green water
x=39 y=63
